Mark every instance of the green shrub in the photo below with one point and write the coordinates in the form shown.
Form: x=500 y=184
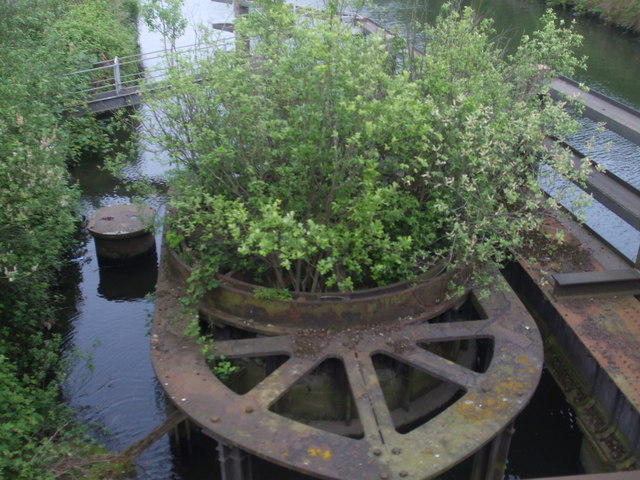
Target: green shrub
x=39 y=216
x=101 y=29
x=319 y=161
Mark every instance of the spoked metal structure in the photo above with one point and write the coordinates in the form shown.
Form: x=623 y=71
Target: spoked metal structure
x=389 y=383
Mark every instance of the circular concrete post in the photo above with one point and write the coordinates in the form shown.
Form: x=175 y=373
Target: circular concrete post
x=122 y=233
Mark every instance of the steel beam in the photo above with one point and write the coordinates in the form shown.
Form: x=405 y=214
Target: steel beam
x=610 y=190
x=619 y=118
x=234 y=463
x=603 y=282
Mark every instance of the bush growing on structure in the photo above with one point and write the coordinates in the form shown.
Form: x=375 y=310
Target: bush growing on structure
x=317 y=159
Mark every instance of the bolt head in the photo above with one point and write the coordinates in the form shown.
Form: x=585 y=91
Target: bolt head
x=396 y=451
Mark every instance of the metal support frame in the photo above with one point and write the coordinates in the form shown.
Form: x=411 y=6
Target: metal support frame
x=489 y=463
x=489 y=401
x=235 y=464
x=598 y=283
x=116 y=75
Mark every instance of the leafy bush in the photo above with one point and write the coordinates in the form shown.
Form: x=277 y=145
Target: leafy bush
x=101 y=29
x=37 y=220
x=317 y=159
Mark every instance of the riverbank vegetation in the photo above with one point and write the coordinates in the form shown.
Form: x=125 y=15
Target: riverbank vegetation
x=41 y=41
x=317 y=159
x=622 y=13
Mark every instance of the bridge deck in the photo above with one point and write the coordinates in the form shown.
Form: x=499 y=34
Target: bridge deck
x=112 y=100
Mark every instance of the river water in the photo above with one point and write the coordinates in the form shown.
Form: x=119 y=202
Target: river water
x=115 y=390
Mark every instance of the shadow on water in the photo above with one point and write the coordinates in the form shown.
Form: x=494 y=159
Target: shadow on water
x=129 y=282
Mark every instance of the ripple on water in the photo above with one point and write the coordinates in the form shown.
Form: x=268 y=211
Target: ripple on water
x=617 y=154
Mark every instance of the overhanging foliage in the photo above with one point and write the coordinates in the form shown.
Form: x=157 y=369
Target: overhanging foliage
x=40 y=42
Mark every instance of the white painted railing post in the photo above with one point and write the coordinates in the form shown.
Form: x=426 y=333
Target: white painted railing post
x=116 y=74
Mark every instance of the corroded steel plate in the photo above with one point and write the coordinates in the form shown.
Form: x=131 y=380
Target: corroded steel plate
x=491 y=400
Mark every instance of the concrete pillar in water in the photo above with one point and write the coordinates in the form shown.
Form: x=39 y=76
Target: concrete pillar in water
x=122 y=233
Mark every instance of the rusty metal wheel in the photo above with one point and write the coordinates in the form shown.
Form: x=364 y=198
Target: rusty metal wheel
x=419 y=437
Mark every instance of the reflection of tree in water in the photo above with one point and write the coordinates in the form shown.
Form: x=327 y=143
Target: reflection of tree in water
x=511 y=18
x=69 y=285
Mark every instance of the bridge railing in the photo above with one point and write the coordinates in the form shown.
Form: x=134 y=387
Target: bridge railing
x=120 y=75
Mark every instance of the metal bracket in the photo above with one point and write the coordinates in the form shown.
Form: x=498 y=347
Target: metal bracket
x=604 y=282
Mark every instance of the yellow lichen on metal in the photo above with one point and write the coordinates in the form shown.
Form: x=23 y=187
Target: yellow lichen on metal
x=318 y=452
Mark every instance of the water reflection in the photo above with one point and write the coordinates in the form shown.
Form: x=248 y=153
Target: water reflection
x=551 y=446
x=129 y=282
x=610 y=150
x=613 y=56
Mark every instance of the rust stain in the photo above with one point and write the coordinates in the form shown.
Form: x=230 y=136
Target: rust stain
x=525 y=360
x=608 y=326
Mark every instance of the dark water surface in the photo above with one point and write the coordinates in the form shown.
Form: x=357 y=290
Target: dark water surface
x=109 y=320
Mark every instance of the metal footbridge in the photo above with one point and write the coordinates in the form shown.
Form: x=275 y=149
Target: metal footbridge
x=122 y=81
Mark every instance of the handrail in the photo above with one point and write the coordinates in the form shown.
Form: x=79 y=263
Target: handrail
x=118 y=80
x=159 y=53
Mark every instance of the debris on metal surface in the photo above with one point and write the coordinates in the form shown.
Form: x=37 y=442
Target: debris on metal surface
x=121 y=221
x=388 y=445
